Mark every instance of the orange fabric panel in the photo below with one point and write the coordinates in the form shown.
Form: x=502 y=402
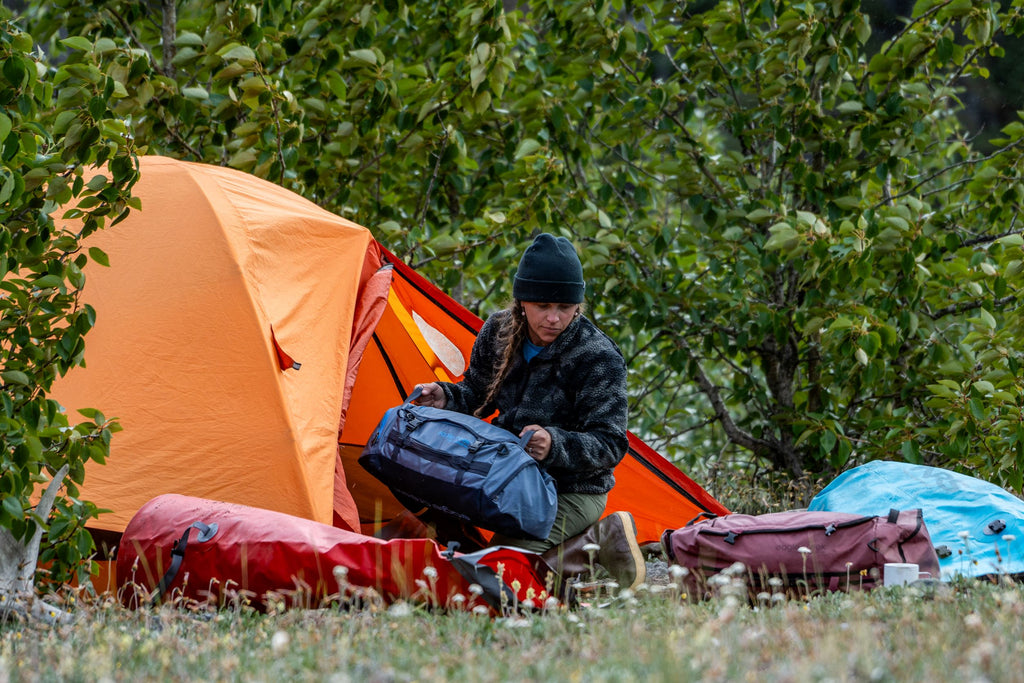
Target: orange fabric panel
x=182 y=353
x=657 y=493
x=397 y=358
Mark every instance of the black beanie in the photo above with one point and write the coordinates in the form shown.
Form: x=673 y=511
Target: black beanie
x=549 y=272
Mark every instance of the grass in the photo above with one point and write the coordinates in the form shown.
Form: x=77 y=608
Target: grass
x=968 y=630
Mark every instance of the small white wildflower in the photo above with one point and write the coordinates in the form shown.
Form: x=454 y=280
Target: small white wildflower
x=626 y=594
x=421 y=584
x=513 y=622
x=475 y=589
x=964 y=534
x=430 y=572
x=778 y=597
x=591 y=548
x=480 y=609
x=612 y=585
x=775 y=582
x=551 y=603
x=340 y=572
x=763 y=596
x=719 y=580
x=527 y=604
x=1009 y=538
x=678 y=572
x=736 y=568
x=803 y=550
x=458 y=599
x=973 y=621
x=279 y=642
x=400 y=609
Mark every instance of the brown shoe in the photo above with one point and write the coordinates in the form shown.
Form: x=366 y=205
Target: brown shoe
x=618 y=552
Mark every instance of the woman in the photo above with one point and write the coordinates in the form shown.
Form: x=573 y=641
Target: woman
x=545 y=367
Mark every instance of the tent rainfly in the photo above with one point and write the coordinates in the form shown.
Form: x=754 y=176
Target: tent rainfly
x=249 y=341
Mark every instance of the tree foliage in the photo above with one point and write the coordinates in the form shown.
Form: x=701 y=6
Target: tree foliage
x=793 y=240
x=54 y=125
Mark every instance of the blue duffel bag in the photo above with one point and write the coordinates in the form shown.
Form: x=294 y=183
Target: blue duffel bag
x=462 y=466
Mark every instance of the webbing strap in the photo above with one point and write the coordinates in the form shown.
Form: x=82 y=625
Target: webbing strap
x=206 y=532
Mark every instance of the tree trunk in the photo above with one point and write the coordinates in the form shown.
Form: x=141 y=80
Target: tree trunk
x=18 y=561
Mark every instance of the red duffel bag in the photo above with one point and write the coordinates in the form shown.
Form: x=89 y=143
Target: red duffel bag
x=179 y=547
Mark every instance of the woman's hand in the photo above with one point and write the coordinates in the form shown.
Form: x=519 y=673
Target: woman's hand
x=539 y=445
x=432 y=396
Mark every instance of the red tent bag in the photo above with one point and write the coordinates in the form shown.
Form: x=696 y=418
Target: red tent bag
x=179 y=547
x=808 y=551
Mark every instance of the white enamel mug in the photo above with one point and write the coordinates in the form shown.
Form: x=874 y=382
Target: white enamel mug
x=902 y=573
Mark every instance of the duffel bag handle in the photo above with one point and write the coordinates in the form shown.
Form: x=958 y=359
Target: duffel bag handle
x=206 y=532
x=523 y=440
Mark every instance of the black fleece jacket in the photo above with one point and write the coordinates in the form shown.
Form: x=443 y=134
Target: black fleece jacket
x=575 y=388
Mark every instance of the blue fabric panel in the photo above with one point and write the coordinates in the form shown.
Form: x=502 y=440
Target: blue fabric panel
x=979 y=523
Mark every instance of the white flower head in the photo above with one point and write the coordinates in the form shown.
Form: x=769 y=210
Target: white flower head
x=804 y=550
x=279 y=642
x=481 y=610
x=430 y=572
x=964 y=534
x=475 y=589
x=678 y=572
x=551 y=603
x=340 y=572
x=591 y=548
x=1009 y=538
x=400 y=609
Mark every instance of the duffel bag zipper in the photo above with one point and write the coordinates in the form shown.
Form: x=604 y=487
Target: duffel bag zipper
x=829 y=529
x=416 y=422
x=437 y=455
x=508 y=480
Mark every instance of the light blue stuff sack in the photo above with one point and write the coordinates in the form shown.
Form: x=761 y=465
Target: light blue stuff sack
x=977 y=527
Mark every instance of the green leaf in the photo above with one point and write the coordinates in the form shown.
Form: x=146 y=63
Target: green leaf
x=77 y=43
x=187 y=38
x=15 y=377
x=364 y=55
x=195 y=93
x=527 y=147
x=99 y=256
x=234 y=51
x=827 y=441
x=12 y=506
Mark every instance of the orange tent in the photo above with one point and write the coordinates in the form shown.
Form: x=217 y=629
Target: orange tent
x=248 y=342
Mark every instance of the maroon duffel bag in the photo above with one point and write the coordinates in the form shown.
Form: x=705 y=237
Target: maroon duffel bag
x=803 y=551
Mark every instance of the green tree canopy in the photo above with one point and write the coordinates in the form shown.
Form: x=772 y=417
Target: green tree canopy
x=804 y=259
x=55 y=126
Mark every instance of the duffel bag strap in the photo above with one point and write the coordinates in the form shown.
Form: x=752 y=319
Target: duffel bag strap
x=206 y=532
x=523 y=440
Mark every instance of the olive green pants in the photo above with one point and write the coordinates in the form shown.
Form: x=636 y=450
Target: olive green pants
x=576 y=512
